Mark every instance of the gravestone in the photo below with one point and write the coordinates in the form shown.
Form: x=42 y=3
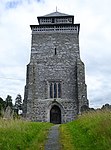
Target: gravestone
x=8 y=114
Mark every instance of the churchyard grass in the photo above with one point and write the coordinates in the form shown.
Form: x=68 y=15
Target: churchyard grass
x=91 y=131
x=22 y=135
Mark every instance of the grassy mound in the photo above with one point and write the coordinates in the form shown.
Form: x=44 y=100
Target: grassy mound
x=22 y=135
x=91 y=131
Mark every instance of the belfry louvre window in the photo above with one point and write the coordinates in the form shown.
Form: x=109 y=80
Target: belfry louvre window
x=55 y=90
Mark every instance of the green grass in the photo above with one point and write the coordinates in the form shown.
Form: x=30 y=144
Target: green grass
x=91 y=131
x=22 y=135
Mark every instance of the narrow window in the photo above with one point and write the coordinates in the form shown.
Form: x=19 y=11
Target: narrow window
x=55 y=51
x=59 y=90
x=55 y=90
x=51 y=96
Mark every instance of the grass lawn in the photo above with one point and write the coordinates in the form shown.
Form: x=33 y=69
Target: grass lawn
x=22 y=135
x=91 y=131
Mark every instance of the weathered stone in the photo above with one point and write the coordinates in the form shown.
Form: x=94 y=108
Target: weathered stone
x=55 y=74
x=8 y=114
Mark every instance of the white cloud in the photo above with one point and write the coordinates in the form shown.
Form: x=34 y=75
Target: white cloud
x=95 y=31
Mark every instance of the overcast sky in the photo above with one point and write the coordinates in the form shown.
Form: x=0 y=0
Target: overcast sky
x=95 y=43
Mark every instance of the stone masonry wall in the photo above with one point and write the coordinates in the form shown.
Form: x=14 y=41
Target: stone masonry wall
x=54 y=57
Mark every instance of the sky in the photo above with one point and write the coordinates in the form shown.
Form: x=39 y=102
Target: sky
x=16 y=16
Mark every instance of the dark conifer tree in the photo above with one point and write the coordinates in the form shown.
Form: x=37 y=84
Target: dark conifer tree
x=18 y=103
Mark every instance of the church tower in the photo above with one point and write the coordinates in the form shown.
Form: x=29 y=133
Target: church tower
x=55 y=88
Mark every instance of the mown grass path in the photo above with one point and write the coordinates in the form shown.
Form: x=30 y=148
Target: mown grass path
x=53 y=139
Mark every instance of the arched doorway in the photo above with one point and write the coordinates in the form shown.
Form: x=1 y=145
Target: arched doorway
x=55 y=115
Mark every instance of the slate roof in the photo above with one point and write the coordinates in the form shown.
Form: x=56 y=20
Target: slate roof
x=55 y=14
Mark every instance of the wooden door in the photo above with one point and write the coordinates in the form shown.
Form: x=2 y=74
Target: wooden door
x=55 y=115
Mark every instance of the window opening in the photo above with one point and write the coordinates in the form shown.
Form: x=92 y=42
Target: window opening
x=53 y=20
x=51 y=91
x=59 y=90
x=55 y=51
x=55 y=90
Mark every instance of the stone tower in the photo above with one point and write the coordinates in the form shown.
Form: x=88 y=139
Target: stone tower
x=55 y=87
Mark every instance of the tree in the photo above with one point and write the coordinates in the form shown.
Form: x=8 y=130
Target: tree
x=9 y=101
x=2 y=106
x=18 y=103
x=2 y=103
x=106 y=106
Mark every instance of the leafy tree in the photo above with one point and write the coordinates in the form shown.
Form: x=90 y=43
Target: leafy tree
x=9 y=101
x=18 y=103
x=2 y=106
x=106 y=106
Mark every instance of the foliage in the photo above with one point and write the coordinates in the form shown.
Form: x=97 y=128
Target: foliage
x=9 y=101
x=18 y=103
x=2 y=106
x=2 y=103
x=22 y=135
x=106 y=106
x=91 y=131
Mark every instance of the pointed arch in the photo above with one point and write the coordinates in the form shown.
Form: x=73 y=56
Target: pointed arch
x=55 y=115
x=58 y=108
